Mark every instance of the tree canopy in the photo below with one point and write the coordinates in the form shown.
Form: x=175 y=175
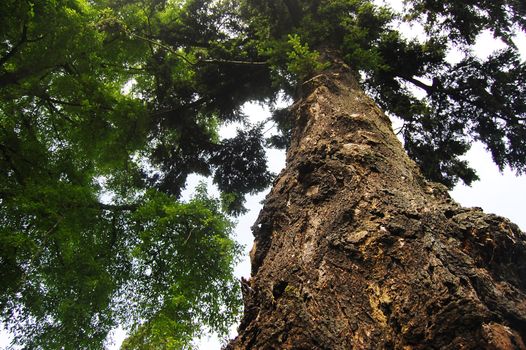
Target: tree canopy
x=106 y=107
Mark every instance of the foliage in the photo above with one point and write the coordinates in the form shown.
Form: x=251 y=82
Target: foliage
x=240 y=168
x=180 y=274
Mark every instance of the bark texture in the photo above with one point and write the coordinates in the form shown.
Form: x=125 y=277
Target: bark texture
x=354 y=249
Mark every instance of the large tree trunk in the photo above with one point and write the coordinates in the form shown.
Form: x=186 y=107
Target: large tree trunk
x=354 y=249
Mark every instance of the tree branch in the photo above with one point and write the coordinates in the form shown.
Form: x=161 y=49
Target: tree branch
x=118 y=207
x=7 y=157
x=159 y=44
x=16 y=48
x=220 y=61
x=123 y=68
x=67 y=103
x=11 y=78
x=427 y=88
x=200 y=61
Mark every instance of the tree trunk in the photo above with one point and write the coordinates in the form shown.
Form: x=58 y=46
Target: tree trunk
x=354 y=249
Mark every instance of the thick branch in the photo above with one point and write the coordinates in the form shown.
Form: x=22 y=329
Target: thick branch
x=16 y=48
x=123 y=68
x=12 y=78
x=7 y=157
x=118 y=207
x=67 y=103
x=220 y=61
x=427 y=88
x=200 y=61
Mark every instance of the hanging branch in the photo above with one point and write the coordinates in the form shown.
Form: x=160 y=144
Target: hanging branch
x=200 y=61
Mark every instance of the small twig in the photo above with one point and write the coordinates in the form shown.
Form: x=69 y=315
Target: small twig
x=189 y=235
x=399 y=130
x=54 y=226
x=272 y=126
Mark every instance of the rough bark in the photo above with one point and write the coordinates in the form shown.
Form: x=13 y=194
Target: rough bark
x=354 y=249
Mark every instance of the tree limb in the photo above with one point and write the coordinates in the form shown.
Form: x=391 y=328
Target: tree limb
x=200 y=61
x=118 y=207
x=67 y=103
x=427 y=88
x=16 y=48
x=220 y=61
x=12 y=78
